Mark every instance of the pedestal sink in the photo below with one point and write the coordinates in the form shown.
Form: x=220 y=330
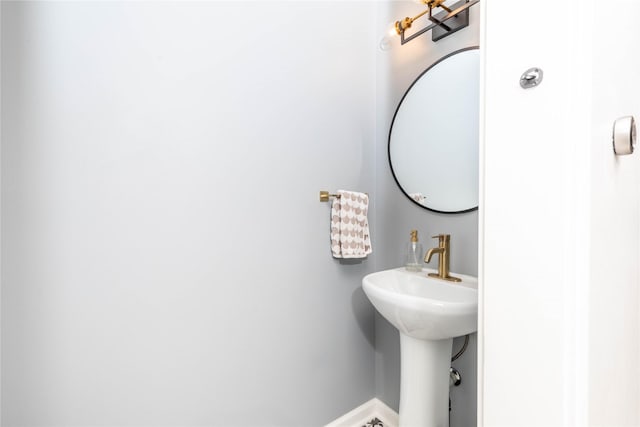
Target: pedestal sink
x=429 y=313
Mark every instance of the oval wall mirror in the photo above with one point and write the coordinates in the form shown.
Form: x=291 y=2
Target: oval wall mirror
x=433 y=141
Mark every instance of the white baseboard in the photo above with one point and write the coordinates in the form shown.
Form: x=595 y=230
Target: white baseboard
x=364 y=413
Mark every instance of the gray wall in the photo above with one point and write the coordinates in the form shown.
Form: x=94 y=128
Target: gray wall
x=397 y=215
x=165 y=257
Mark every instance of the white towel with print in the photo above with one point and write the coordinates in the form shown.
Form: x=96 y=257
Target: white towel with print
x=350 y=225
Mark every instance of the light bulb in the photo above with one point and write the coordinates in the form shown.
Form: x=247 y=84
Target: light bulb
x=390 y=39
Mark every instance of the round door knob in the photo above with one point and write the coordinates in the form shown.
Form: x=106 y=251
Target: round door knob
x=624 y=136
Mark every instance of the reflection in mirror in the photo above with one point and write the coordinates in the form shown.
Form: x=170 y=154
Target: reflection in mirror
x=433 y=142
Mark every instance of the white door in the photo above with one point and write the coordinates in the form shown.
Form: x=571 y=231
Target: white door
x=559 y=247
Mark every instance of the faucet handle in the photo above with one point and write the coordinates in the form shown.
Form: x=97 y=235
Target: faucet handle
x=442 y=236
x=443 y=239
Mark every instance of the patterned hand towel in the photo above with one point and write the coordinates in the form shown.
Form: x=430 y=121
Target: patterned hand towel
x=349 y=225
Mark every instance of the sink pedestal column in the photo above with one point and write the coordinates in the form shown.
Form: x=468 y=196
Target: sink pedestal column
x=424 y=382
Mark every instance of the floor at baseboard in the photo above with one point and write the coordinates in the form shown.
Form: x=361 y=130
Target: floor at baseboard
x=374 y=423
x=373 y=413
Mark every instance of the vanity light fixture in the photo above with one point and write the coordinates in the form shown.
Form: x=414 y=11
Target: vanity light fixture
x=451 y=19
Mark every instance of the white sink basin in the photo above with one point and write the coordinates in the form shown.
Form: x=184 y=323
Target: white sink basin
x=429 y=313
x=424 y=307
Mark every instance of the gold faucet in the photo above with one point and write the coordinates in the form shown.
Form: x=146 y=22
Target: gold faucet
x=443 y=263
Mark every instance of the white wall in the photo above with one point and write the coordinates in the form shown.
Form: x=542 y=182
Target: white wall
x=165 y=257
x=558 y=220
x=397 y=215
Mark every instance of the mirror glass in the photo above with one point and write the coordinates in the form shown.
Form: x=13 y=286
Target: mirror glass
x=433 y=142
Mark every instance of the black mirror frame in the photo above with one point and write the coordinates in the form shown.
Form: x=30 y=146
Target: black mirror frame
x=391 y=130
